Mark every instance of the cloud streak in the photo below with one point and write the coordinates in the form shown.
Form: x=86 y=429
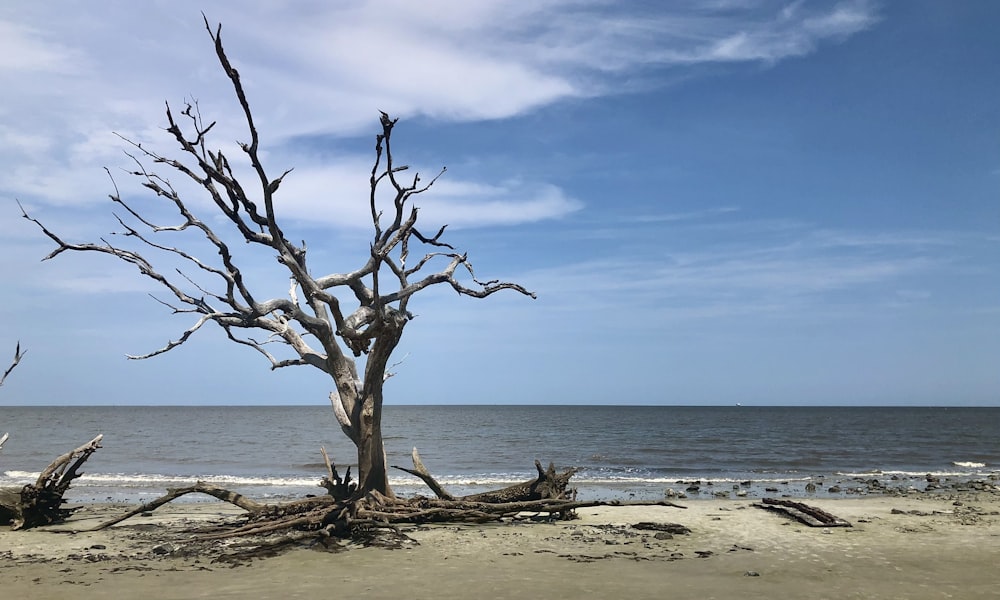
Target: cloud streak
x=321 y=68
x=801 y=271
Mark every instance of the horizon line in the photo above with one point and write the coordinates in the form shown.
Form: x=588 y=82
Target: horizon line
x=519 y=405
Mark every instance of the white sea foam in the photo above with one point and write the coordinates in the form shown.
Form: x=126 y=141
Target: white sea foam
x=969 y=464
x=19 y=477
x=157 y=480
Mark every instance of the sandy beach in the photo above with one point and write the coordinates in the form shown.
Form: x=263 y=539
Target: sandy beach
x=913 y=546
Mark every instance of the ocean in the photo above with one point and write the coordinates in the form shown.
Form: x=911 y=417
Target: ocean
x=622 y=452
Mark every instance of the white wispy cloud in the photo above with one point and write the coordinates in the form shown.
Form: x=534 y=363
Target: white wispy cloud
x=24 y=49
x=802 y=269
x=71 y=76
x=335 y=194
x=683 y=216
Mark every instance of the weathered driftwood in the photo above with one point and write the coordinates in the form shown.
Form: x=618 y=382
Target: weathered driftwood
x=548 y=485
x=419 y=470
x=339 y=489
x=41 y=503
x=254 y=509
x=326 y=517
x=344 y=513
x=803 y=513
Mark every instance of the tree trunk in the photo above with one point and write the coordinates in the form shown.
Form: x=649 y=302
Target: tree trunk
x=366 y=418
x=373 y=474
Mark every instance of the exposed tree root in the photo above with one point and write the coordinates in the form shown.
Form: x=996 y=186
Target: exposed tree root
x=357 y=516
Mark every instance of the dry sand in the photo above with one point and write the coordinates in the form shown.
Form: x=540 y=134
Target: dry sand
x=912 y=547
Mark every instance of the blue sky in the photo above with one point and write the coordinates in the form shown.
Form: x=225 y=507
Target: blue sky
x=716 y=202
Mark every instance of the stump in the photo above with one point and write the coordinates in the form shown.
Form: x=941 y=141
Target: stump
x=41 y=503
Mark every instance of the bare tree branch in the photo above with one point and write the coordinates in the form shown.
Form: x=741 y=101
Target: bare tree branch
x=18 y=355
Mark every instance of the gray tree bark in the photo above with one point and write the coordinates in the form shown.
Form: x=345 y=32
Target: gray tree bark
x=41 y=503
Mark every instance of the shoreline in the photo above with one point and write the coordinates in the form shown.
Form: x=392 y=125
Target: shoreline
x=918 y=545
x=815 y=487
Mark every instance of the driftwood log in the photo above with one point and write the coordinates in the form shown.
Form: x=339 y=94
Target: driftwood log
x=548 y=485
x=41 y=503
x=803 y=513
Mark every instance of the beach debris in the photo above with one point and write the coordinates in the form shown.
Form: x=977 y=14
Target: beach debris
x=41 y=503
x=548 y=485
x=672 y=528
x=364 y=517
x=162 y=549
x=803 y=513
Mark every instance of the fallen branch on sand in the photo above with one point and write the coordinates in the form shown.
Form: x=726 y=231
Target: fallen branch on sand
x=548 y=485
x=803 y=513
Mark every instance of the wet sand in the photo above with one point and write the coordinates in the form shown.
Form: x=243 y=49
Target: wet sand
x=915 y=546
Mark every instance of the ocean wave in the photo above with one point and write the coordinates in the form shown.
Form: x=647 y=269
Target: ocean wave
x=965 y=470
x=137 y=482
x=158 y=480
x=19 y=477
x=969 y=464
x=490 y=480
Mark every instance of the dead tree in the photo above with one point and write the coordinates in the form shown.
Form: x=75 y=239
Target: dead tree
x=41 y=503
x=325 y=321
